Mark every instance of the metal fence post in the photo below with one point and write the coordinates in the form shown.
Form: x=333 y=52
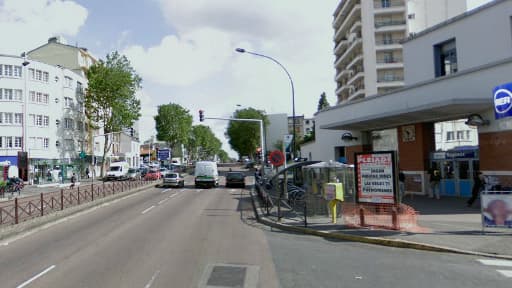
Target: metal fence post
x=61 y=199
x=42 y=207
x=305 y=213
x=78 y=195
x=361 y=216
x=92 y=192
x=16 y=210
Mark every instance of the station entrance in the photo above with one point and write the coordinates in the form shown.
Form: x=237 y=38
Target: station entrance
x=457 y=168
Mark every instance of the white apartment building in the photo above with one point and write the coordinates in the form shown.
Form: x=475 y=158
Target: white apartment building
x=455 y=134
x=309 y=126
x=368 y=35
x=41 y=112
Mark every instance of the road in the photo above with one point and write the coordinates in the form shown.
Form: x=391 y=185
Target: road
x=190 y=238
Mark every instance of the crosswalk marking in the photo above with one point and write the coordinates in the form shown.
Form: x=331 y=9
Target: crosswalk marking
x=506 y=273
x=496 y=262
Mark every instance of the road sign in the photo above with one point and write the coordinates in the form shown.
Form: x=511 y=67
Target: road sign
x=82 y=155
x=503 y=101
x=164 y=154
x=276 y=158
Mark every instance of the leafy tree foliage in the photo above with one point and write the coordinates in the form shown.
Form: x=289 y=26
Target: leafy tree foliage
x=322 y=102
x=244 y=137
x=173 y=124
x=110 y=100
x=203 y=144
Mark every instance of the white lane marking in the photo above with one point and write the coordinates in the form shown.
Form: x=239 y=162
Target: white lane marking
x=495 y=262
x=170 y=196
x=166 y=190
x=506 y=273
x=148 y=209
x=152 y=279
x=162 y=201
x=35 y=277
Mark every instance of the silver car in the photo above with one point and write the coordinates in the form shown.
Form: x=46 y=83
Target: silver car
x=133 y=174
x=173 y=179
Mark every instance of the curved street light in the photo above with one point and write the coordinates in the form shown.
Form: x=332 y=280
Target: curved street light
x=242 y=50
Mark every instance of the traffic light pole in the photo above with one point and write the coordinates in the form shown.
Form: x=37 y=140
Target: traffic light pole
x=262 y=136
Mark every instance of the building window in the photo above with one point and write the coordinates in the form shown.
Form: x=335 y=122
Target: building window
x=445 y=58
x=468 y=134
x=46 y=98
x=68 y=123
x=68 y=81
x=39 y=120
x=46 y=76
x=46 y=121
x=68 y=102
x=39 y=97
x=18 y=118
x=69 y=143
x=8 y=142
x=385 y=3
x=17 y=71
x=8 y=119
x=31 y=119
x=18 y=142
x=450 y=136
x=460 y=135
x=8 y=70
x=411 y=16
x=79 y=125
x=46 y=143
x=39 y=75
x=32 y=73
x=1 y=141
x=6 y=94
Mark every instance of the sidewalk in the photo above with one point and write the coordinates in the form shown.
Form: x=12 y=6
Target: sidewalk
x=447 y=224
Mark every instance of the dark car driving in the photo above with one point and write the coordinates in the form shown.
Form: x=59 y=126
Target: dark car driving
x=235 y=179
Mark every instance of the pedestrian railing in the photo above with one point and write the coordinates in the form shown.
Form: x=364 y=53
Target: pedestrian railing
x=19 y=210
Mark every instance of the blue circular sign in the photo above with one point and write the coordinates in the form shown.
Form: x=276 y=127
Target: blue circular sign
x=502 y=101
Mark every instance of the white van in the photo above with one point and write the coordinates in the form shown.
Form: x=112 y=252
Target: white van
x=117 y=171
x=206 y=174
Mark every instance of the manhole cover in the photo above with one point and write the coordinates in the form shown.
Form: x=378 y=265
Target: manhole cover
x=221 y=275
x=227 y=276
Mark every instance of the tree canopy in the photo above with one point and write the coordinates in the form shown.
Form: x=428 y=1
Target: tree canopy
x=202 y=143
x=173 y=124
x=322 y=102
x=110 y=99
x=244 y=137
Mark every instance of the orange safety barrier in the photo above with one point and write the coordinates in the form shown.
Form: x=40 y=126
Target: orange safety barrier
x=389 y=216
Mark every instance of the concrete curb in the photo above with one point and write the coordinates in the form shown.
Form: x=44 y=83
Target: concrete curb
x=34 y=223
x=396 y=243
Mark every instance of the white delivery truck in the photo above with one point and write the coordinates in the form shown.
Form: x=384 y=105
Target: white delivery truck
x=206 y=174
x=117 y=171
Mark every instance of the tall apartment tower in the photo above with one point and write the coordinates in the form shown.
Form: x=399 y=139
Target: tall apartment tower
x=368 y=35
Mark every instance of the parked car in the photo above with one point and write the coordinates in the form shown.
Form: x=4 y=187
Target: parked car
x=133 y=174
x=235 y=179
x=153 y=174
x=173 y=179
x=143 y=171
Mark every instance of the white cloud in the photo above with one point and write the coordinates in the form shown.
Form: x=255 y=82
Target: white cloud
x=26 y=24
x=198 y=68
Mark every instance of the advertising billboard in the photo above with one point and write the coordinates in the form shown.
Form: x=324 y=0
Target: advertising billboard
x=496 y=209
x=376 y=177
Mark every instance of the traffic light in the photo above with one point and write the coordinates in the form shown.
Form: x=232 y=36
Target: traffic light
x=201 y=115
x=132 y=132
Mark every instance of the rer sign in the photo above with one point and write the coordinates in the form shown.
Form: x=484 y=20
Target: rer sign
x=503 y=101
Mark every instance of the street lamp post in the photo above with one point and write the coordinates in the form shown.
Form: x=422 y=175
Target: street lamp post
x=241 y=50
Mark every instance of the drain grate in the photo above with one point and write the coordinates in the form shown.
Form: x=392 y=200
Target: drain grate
x=220 y=275
x=227 y=276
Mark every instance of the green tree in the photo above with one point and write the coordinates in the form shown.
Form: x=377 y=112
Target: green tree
x=110 y=100
x=244 y=137
x=173 y=124
x=223 y=155
x=322 y=102
x=202 y=143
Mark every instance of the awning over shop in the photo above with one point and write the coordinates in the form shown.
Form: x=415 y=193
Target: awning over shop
x=446 y=98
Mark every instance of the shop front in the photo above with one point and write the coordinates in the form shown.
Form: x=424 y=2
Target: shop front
x=456 y=168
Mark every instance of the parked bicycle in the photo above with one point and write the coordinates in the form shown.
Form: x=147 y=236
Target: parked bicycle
x=12 y=185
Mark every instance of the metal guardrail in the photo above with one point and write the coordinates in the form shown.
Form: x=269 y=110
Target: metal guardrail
x=389 y=23
x=22 y=209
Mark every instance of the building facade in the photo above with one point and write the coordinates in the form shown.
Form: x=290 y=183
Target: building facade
x=449 y=74
x=42 y=113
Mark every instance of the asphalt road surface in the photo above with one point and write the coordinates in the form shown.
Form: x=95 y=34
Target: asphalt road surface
x=208 y=238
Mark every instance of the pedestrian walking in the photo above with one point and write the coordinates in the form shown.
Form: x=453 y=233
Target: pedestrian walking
x=87 y=172
x=73 y=180
x=478 y=186
x=435 y=177
x=401 y=186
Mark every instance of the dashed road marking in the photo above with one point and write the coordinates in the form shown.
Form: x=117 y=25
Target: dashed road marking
x=148 y=209
x=495 y=262
x=506 y=273
x=162 y=201
x=152 y=279
x=166 y=190
x=35 y=277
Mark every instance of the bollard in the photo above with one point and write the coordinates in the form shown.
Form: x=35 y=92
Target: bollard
x=394 y=218
x=16 y=210
x=78 y=195
x=42 y=207
x=61 y=199
x=92 y=192
x=361 y=216
x=305 y=213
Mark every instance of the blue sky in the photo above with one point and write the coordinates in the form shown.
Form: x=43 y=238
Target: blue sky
x=184 y=49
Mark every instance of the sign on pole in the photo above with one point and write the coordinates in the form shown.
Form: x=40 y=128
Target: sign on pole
x=164 y=154
x=376 y=177
x=277 y=158
x=502 y=101
x=496 y=209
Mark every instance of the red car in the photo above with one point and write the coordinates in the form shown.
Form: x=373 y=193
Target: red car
x=153 y=175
